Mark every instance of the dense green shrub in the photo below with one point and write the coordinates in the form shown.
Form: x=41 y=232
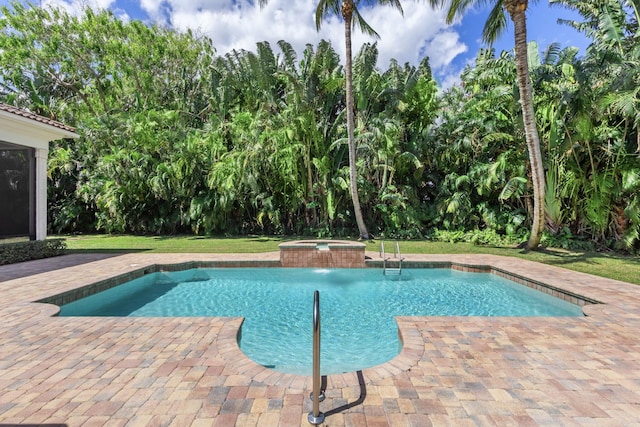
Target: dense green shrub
x=34 y=249
x=477 y=237
x=176 y=138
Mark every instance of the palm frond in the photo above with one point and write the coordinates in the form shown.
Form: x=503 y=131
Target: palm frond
x=363 y=25
x=625 y=103
x=533 y=55
x=497 y=137
x=631 y=181
x=393 y=3
x=290 y=56
x=324 y=9
x=635 y=5
x=610 y=26
x=514 y=187
x=552 y=54
x=462 y=181
x=496 y=23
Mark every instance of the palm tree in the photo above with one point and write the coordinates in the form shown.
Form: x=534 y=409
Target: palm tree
x=494 y=26
x=613 y=62
x=348 y=9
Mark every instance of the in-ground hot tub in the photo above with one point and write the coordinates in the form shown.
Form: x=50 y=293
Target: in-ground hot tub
x=322 y=254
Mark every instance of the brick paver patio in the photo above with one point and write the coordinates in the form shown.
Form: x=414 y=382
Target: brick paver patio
x=457 y=371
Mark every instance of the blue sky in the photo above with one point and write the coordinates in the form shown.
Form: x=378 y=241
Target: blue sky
x=422 y=31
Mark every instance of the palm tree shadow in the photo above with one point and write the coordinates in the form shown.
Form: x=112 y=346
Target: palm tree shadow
x=564 y=258
x=359 y=401
x=46 y=265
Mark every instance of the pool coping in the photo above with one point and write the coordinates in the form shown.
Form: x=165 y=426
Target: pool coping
x=412 y=344
x=93 y=288
x=190 y=372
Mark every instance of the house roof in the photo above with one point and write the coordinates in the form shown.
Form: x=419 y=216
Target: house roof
x=31 y=130
x=35 y=117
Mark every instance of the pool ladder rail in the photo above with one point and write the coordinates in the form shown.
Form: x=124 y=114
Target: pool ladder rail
x=395 y=258
x=316 y=417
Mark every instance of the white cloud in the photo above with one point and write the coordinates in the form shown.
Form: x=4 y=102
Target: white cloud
x=443 y=48
x=240 y=24
x=405 y=38
x=449 y=79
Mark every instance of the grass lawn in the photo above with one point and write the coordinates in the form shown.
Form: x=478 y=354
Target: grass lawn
x=610 y=265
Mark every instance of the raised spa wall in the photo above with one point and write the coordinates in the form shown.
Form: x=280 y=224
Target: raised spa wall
x=322 y=254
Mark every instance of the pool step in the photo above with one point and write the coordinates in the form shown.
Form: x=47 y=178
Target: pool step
x=396 y=258
x=391 y=271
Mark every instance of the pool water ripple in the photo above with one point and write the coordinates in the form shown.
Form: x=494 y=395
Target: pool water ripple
x=358 y=307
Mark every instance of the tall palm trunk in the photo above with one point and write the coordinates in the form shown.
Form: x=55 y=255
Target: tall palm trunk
x=516 y=9
x=347 y=15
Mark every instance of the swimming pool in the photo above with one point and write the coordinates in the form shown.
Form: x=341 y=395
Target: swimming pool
x=358 y=307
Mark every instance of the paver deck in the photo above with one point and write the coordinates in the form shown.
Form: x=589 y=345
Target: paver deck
x=452 y=371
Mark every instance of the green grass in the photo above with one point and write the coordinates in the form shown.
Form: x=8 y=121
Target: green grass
x=171 y=244
x=610 y=265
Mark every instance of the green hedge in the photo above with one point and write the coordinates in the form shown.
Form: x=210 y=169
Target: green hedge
x=34 y=249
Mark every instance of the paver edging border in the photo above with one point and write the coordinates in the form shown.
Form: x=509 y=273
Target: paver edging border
x=564 y=294
x=409 y=355
x=102 y=285
x=83 y=291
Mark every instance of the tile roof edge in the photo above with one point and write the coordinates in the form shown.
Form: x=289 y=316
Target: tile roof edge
x=35 y=117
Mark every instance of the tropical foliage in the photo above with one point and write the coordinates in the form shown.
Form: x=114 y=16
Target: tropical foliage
x=495 y=25
x=176 y=138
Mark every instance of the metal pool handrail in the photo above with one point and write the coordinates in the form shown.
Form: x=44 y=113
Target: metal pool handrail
x=315 y=416
x=396 y=255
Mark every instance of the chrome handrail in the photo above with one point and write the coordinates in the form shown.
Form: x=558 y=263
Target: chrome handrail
x=399 y=255
x=315 y=416
x=396 y=254
x=384 y=258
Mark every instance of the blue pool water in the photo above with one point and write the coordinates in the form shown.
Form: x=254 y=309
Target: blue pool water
x=357 y=307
